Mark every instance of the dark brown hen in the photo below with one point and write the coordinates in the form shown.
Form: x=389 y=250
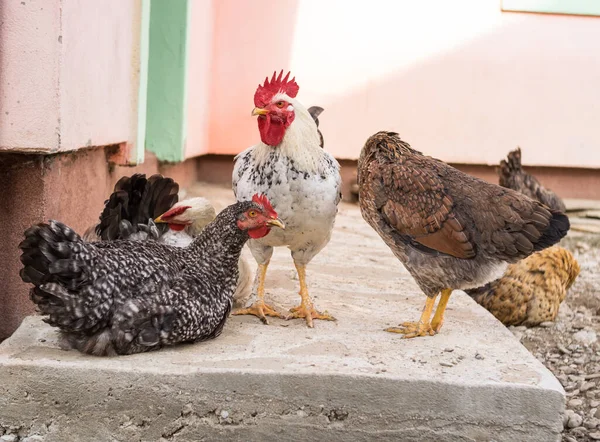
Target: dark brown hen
x=512 y=176
x=449 y=229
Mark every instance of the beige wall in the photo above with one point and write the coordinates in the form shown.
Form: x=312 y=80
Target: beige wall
x=68 y=74
x=459 y=80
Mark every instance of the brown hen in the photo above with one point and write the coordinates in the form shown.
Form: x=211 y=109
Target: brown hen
x=449 y=229
x=530 y=292
x=512 y=176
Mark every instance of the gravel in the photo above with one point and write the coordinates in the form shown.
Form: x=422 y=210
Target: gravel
x=569 y=346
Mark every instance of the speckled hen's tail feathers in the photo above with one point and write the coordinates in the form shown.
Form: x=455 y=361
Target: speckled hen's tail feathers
x=47 y=264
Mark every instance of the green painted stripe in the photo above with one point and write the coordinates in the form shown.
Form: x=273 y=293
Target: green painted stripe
x=167 y=68
x=575 y=7
x=143 y=81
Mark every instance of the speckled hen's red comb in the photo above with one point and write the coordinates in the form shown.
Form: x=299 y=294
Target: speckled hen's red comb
x=265 y=93
x=262 y=199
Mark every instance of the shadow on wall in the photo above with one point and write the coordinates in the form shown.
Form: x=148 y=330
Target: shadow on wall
x=476 y=102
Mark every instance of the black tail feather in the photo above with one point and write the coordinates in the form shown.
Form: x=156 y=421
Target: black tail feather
x=136 y=200
x=556 y=230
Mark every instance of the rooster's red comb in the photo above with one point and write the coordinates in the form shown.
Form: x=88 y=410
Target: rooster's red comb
x=260 y=198
x=265 y=93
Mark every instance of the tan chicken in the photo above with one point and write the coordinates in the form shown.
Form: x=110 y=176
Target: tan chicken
x=530 y=292
x=449 y=229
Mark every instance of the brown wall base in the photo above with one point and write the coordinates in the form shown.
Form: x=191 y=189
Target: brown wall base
x=69 y=187
x=72 y=188
x=566 y=182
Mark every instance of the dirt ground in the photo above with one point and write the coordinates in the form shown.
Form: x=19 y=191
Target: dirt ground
x=569 y=347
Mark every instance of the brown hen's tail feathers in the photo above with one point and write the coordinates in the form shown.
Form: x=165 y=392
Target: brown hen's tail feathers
x=512 y=163
x=556 y=230
x=134 y=201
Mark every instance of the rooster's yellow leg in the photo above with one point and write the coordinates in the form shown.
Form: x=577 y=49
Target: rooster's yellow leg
x=259 y=308
x=421 y=328
x=438 y=318
x=306 y=309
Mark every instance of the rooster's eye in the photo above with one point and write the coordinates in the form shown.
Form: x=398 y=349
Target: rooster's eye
x=252 y=213
x=280 y=104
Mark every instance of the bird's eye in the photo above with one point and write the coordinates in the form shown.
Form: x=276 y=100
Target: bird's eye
x=280 y=104
x=252 y=213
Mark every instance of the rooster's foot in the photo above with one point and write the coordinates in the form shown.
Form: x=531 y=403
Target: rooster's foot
x=308 y=312
x=412 y=329
x=261 y=311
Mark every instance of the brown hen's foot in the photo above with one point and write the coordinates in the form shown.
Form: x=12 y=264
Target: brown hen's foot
x=421 y=328
x=412 y=329
x=261 y=311
x=309 y=313
x=438 y=318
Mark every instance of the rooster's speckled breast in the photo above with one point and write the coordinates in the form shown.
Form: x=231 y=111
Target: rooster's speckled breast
x=305 y=201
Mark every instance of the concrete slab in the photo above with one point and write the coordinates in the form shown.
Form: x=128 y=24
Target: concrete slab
x=341 y=381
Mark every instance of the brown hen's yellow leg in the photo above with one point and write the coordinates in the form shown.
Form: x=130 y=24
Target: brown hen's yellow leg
x=421 y=328
x=259 y=308
x=438 y=318
x=306 y=309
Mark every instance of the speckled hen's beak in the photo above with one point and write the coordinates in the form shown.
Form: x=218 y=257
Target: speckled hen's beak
x=259 y=111
x=276 y=222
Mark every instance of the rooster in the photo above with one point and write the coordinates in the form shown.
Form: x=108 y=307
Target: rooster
x=123 y=297
x=512 y=176
x=129 y=211
x=299 y=177
x=449 y=229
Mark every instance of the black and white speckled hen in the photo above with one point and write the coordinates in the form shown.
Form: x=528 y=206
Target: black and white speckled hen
x=300 y=178
x=450 y=230
x=512 y=176
x=147 y=209
x=123 y=296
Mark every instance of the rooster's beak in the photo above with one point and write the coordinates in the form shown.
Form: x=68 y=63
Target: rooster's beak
x=259 y=111
x=159 y=220
x=276 y=222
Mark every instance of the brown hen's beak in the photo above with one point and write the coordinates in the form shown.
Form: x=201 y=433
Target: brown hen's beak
x=259 y=111
x=276 y=222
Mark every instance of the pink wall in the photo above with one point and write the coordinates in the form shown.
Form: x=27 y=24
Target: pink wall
x=199 y=85
x=459 y=80
x=68 y=74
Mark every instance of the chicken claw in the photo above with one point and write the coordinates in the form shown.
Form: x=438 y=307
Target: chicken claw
x=309 y=313
x=421 y=328
x=306 y=309
x=261 y=311
x=412 y=329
